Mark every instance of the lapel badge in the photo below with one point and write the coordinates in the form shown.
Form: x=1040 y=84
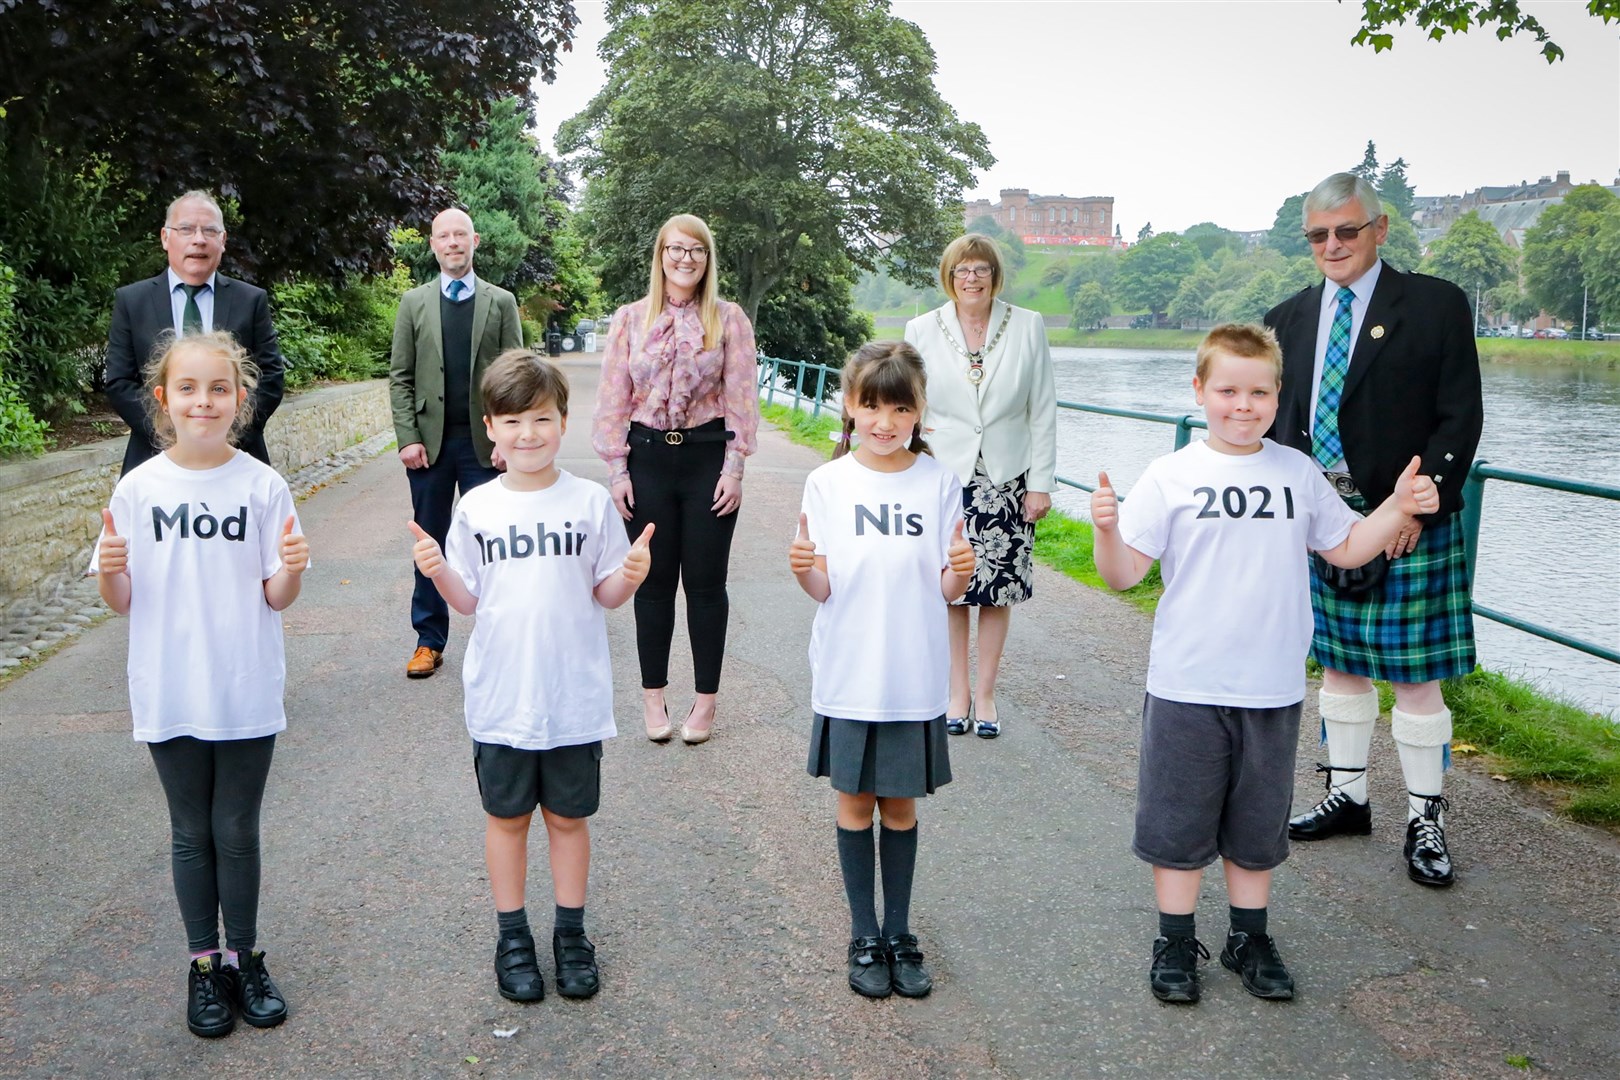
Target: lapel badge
x=1377 y=332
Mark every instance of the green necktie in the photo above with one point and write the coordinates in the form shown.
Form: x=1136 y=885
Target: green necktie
x=191 y=318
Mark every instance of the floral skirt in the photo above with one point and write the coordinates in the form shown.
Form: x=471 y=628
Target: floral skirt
x=1003 y=542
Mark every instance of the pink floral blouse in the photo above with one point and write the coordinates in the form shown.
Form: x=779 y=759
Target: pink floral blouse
x=664 y=379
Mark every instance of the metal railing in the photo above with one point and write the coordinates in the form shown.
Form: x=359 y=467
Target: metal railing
x=770 y=375
x=1473 y=498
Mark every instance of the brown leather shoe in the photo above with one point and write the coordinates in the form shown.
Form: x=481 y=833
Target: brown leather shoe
x=424 y=662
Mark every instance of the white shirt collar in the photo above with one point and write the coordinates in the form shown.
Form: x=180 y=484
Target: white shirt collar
x=175 y=282
x=470 y=280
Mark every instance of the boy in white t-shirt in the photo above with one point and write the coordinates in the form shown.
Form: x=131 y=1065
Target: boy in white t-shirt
x=536 y=556
x=1230 y=521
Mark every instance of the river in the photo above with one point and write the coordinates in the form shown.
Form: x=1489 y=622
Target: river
x=1544 y=556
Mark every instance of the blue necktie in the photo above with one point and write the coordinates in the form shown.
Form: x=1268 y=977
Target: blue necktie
x=457 y=287
x=1325 y=445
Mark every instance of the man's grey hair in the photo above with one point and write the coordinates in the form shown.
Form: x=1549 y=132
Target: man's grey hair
x=194 y=196
x=1338 y=189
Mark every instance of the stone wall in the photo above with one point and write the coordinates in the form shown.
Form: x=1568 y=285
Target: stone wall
x=50 y=507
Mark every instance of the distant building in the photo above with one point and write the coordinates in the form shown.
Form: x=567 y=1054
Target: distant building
x=1050 y=219
x=1511 y=208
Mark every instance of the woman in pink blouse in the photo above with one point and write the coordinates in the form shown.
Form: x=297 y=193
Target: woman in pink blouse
x=676 y=414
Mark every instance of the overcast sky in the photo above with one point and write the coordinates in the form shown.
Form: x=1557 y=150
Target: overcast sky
x=1216 y=110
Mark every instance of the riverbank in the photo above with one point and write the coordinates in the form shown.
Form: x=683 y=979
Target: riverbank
x=1564 y=754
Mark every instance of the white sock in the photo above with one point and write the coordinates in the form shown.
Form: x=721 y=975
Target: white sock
x=1421 y=741
x=1348 y=721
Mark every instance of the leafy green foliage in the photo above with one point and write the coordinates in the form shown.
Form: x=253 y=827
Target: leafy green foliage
x=1600 y=262
x=1209 y=238
x=1287 y=233
x=816 y=321
x=337 y=332
x=1402 y=250
x=20 y=432
x=1091 y=307
x=1554 y=275
x=1442 y=17
x=1473 y=255
x=1065 y=544
x=1394 y=191
x=1151 y=272
x=809 y=135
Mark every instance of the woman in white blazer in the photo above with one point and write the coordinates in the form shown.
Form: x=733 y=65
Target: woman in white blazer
x=992 y=419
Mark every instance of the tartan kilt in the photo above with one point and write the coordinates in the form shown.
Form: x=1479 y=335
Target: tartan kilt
x=1415 y=627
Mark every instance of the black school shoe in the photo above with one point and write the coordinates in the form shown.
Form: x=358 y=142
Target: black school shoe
x=261 y=1004
x=1174 y=972
x=517 y=972
x=577 y=976
x=869 y=967
x=906 y=972
x=1255 y=958
x=210 y=989
x=1428 y=860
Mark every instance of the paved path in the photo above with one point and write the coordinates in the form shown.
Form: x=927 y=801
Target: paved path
x=715 y=900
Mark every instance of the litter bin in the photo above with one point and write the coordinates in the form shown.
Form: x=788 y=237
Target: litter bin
x=553 y=341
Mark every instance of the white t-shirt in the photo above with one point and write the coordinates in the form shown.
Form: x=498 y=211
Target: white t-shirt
x=205 y=651
x=879 y=649
x=537 y=672
x=1232 y=534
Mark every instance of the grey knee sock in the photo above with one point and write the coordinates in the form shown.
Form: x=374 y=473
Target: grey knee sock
x=898 y=849
x=856 y=858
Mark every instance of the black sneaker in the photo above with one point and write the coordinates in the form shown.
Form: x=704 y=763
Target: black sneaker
x=906 y=972
x=1255 y=958
x=577 y=975
x=210 y=989
x=517 y=972
x=1174 y=973
x=260 y=1002
x=869 y=967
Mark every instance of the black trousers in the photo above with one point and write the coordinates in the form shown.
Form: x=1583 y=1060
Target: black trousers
x=433 y=500
x=215 y=790
x=673 y=488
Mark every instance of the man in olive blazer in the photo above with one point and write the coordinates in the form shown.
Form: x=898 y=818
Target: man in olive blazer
x=191 y=288
x=445 y=335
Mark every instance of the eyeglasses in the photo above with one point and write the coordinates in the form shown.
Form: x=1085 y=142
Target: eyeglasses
x=679 y=253
x=965 y=272
x=209 y=232
x=1345 y=233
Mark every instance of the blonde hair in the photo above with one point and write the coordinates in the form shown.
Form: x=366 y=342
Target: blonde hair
x=708 y=290
x=970 y=246
x=244 y=373
x=885 y=373
x=1245 y=340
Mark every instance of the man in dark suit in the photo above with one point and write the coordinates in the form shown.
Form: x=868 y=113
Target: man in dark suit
x=190 y=296
x=1379 y=367
x=445 y=335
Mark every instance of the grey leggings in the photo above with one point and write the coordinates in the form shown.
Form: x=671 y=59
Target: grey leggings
x=215 y=790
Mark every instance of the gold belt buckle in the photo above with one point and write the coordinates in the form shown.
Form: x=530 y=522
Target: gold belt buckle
x=674 y=438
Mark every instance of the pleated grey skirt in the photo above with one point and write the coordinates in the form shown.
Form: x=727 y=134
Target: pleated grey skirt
x=898 y=759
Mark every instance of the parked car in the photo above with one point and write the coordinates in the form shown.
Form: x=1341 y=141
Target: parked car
x=1594 y=334
x=1552 y=333
x=1527 y=332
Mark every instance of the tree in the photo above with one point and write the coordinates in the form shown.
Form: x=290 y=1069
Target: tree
x=1091 y=307
x=1095 y=265
x=809 y=135
x=1402 y=249
x=1554 y=246
x=813 y=321
x=1394 y=191
x=1013 y=251
x=1144 y=232
x=1287 y=233
x=1601 y=263
x=1209 y=238
x=321 y=121
x=1472 y=255
x=1442 y=17
x=1368 y=169
x=1150 y=273
x=1513 y=302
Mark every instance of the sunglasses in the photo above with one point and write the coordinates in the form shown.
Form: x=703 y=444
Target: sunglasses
x=1345 y=233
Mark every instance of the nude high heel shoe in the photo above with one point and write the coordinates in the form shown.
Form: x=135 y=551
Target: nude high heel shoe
x=691 y=736
x=661 y=734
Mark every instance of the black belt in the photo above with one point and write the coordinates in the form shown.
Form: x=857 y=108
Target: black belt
x=713 y=431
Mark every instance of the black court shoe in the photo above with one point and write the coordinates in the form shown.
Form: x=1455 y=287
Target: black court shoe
x=517 y=972
x=210 y=989
x=577 y=974
x=1336 y=815
x=260 y=1002
x=869 y=967
x=1428 y=861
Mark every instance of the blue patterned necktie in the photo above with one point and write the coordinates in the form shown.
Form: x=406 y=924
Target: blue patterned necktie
x=457 y=287
x=1325 y=445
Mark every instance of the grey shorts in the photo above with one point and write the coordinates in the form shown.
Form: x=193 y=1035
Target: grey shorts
x=1214 y=780
x=567 y=780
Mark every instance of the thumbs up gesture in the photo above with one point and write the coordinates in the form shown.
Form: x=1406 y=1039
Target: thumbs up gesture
x=1416 y=494
x=802 y=552
x=429 y=559
x=960 y=553
x=1104 y=505
x=639 y=561
x=112 y=551
x=294 y=548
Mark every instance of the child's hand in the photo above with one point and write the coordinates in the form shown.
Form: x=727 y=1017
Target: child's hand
x=1416 y=494
x=1104 y=505
x=294 y=548
x=960 y=553
x=802 y=552
x=112 y=553
x=639 y=561
x=429 y=559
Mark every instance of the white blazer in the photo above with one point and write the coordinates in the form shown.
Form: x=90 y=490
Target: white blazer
x=1010 y=418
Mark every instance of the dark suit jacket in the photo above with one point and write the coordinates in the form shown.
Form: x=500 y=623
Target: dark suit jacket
x=143 y=317
x=416 y=371
x=1413 y=386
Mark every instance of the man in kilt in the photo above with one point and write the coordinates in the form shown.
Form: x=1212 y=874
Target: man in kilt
x=1379 y=365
